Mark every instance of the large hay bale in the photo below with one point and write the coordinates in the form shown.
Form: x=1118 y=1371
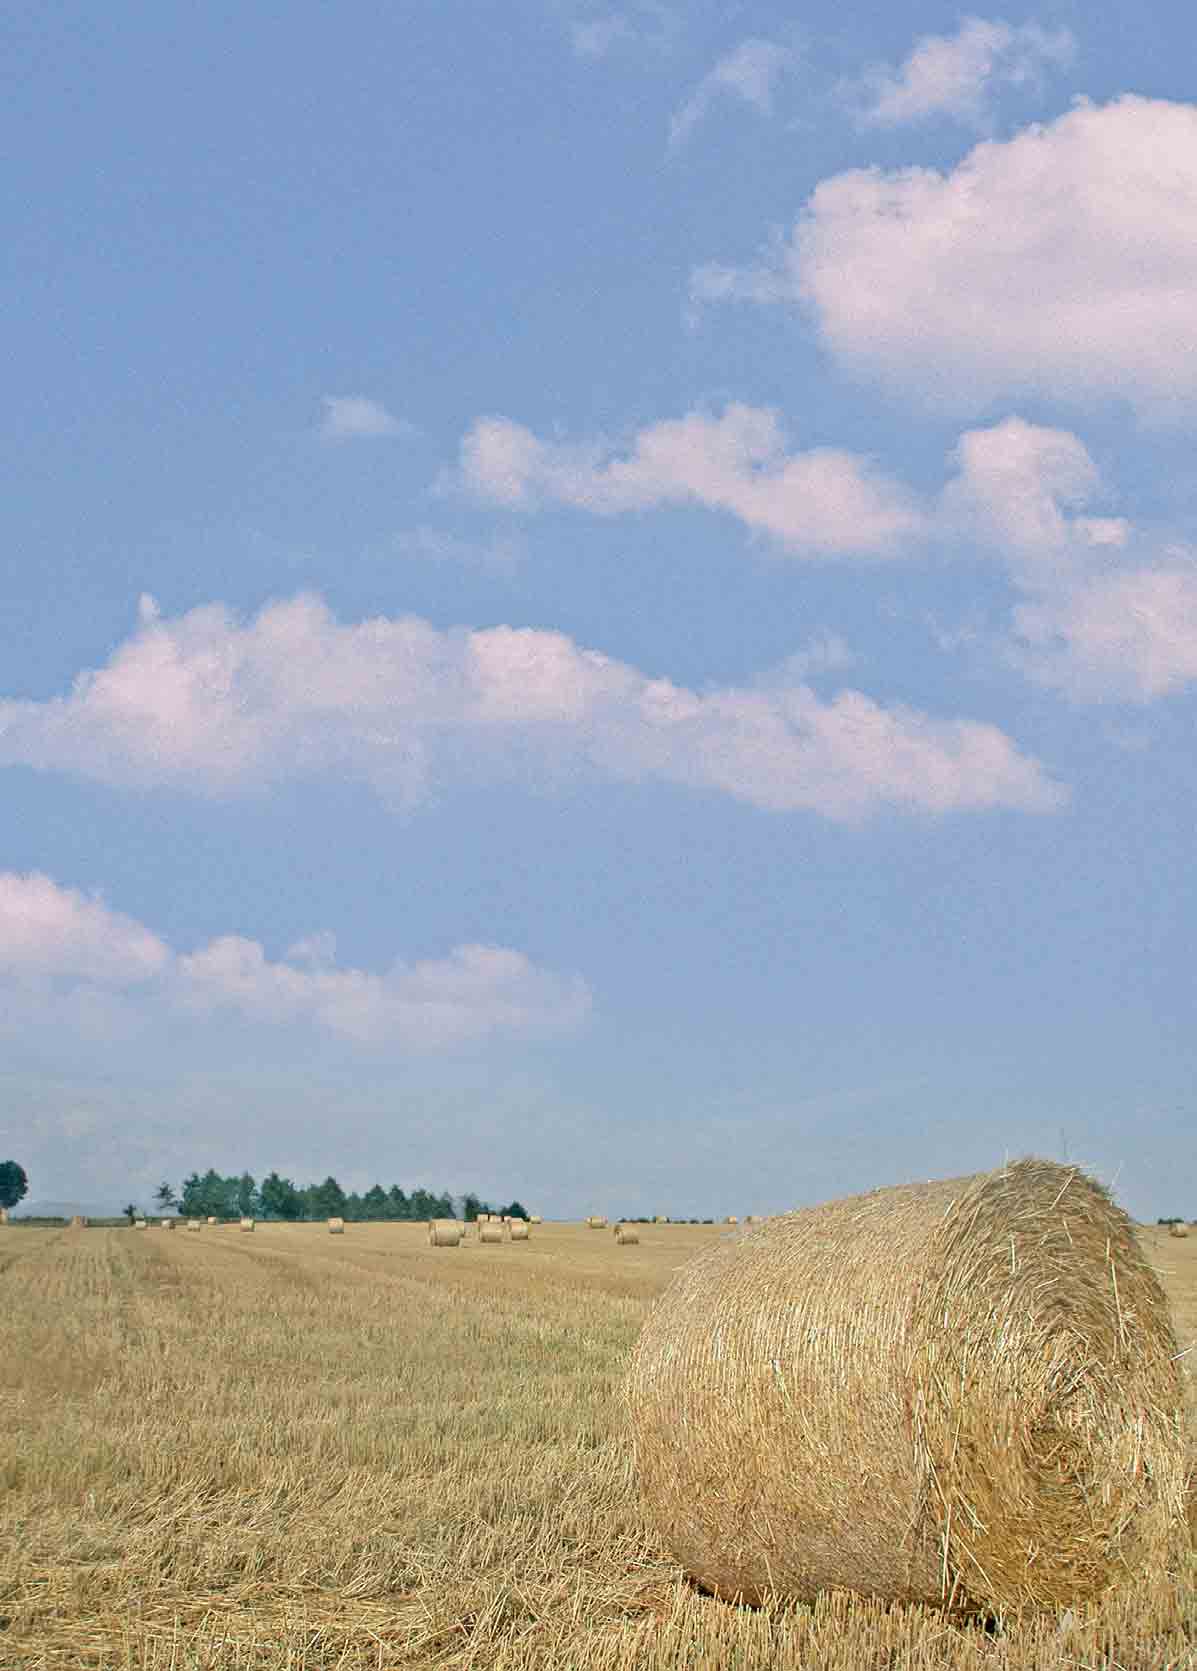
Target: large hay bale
x=247 y=1224
x=194 y=1224
x=492 y=1231
x=444 y=1232
x=518 y=1230
x=626 y=1235
x=212 y=1218
x=535 y=1218
x=596 y=1221
x=140 y=1224
x=336 y=1226
x=1178 y=1229
x=960 y=1393
x=169 y=1223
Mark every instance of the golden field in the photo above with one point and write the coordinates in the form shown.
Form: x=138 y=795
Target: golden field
x=291 y=1450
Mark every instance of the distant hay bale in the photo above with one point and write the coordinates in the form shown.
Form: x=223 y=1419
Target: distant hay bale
x=626 y=1235
x=336 y=1226
x=194 y=1224
x=78 y=1222
x=535 y=1218
x=247 y=1224
x=3 y=1215
x=1178 y=1229
x=596 y=1221
x=444 y=1232
x=518 y=1230
x=212 y=1219
x=731 y=1219
x=959 y=1393
x=140 y=1224
x=491 y=1231
x=660 y=1219
x=169 y=1223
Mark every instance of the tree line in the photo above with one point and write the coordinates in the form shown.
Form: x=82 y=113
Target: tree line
x=210 y=1195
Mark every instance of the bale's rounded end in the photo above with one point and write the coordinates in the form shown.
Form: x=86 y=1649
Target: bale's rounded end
x=957 y=1393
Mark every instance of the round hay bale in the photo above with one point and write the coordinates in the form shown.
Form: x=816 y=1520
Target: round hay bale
x=535 y=1218
x=626 y=1235
x=731 y=1219
x=336 y=1226
x=959 y=1393
x=194 y=1224
x=169 y=1223
x=1178 y=1229
x=518 y=1230
x=492 y=1231
x=247 y=1224
x=140 y=1224
x=660 y=1219
x=444 y=1232
x=596 y=1221
x=3 y=1215
x=78 y=1222
x=212 y=1219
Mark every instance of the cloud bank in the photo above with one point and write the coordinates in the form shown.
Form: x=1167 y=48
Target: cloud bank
x=73 y=957
x=1061 y=262
x=209 y=704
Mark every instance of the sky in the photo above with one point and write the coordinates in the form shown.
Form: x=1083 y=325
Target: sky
x=600 y=601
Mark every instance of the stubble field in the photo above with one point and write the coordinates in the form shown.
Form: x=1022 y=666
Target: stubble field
x=294 y=1450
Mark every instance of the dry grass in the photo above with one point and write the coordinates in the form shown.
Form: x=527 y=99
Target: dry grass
x=285 y=1453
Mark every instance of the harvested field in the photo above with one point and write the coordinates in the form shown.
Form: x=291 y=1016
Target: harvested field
x=290 y=1450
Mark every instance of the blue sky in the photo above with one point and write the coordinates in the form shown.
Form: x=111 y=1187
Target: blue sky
x=601 y=601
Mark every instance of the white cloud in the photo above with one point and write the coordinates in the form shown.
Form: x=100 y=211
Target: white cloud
x=356 y=417
x=955 y=75
x=750 y=72
x=48 y=930
x=98 y=971
x=436 y=546
x=1105 y=615
x=595 y=30
x=1060 y=262
x=207 y=704
x=824 y=501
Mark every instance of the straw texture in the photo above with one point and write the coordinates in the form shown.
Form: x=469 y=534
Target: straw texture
x=492 y=1231
x=519 y=1230
x=959 y=1393
x=336 y=1226
x=444 y=1232
x=626 y=1235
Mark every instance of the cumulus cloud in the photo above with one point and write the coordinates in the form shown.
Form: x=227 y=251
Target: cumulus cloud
x=749 y=73
x=596 y=30
x=356 y=417
x=99 y=970
x=1105 y=615
x=820 y=502
x=210 y=704
x=1060 y=262
x=957 y=75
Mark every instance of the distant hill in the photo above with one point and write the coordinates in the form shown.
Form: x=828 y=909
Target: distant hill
x=66 y=1209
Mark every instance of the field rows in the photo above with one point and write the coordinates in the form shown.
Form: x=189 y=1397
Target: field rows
x=295 y=1450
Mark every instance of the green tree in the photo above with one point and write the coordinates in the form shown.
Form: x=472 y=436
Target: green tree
x=280 y=1198
x=327 y=1199
x=515 y=1211
x=131 y=1212
x=374 y=1202
x=164 y=1196
x=397 y=1203
x=471 y=1207
x=246 y=1196
x=14 y=1183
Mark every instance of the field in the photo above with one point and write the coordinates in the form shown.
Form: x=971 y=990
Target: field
x=296 y=1450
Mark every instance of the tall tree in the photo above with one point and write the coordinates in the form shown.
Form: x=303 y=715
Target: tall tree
x=280 y=1198
x=328 y=1199
x=164 y=1196
x=246 y=1196
x=14 y=1183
